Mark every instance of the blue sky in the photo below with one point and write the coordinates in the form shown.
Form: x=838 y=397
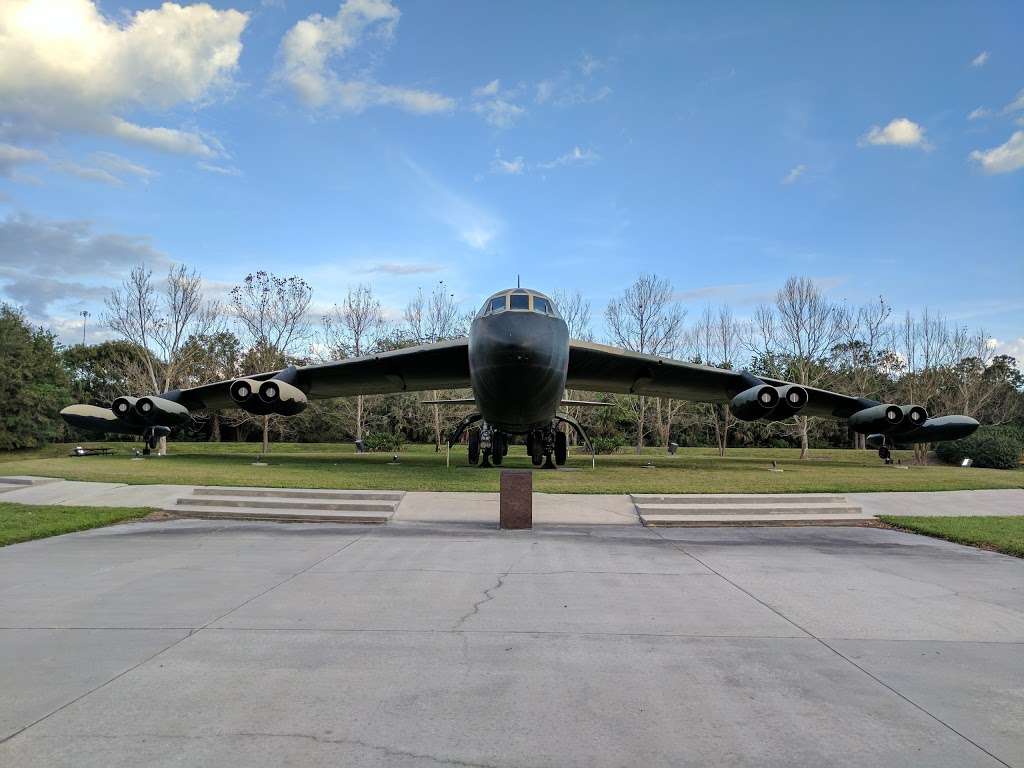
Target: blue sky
x=575 y=144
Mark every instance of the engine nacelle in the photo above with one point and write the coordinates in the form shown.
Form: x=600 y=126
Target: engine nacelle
x=159 y=410
x=246 y=394
x=124 y=409
x=792 y=398
x=914 y=416
x=755 y=403
x=285 y=399
x=878 y=418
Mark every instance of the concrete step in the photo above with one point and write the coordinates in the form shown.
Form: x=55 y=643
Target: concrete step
x=768 y=508
x=300 y=493
x=736 y=498
x=682 y=521
x=288 y=503
x=277 y=514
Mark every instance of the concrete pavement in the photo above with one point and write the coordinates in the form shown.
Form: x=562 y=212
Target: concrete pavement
x=424 y=644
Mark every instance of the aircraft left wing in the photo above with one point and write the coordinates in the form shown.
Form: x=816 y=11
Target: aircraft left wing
x=599 y=368
x=443 y=365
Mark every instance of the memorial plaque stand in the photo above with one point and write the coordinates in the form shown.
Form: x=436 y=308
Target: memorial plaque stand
x=516 y=499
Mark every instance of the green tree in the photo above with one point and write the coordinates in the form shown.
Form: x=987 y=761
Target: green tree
x=33 y=383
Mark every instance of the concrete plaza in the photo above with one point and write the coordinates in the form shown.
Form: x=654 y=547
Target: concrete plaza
x=423 y=644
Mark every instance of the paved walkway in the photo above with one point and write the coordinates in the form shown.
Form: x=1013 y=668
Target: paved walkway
x=418 y=645
x=552 y=508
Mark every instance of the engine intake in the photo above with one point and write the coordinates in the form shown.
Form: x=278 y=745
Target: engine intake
x=124 y=409
x=878 y=418
x=792 y=399
x=914 y=416
x=755 y=403
x=160 y=410
x=285 y=399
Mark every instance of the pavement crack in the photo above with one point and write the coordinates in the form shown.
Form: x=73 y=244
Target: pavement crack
x=487 y=597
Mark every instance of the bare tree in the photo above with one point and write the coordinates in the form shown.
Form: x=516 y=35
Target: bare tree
x=273 y=312
x=796 y=336
x=158 y=319
x=432 y=319
x=646 y=318
x=862 y=352
x=575 y=310
x=351 y=329
x=716 y=339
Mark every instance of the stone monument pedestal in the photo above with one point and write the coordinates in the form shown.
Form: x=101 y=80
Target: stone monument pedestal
x=516 y=499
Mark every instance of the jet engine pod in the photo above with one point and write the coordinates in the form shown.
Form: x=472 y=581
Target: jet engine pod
x=792 y=398
x=755 y=403
x=879 y=418
x=124 y=409
x=914 y=416
x=159 y=410
x=285 y=399
x=246 y=394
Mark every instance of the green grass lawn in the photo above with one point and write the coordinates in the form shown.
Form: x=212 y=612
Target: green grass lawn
x=692 y=470
x=23 y=522
x=1003 y=534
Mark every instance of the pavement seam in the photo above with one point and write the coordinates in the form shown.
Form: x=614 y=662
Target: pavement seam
x=845 y=658
x=180 y=640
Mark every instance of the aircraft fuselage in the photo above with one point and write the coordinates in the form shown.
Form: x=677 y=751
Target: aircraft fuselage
x=518 y=362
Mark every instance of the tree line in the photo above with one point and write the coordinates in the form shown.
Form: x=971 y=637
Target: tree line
x=171 y=334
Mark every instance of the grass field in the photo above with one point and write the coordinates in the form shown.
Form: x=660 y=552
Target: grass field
x=692 y=470
x=1003 y=534
x=23 y=522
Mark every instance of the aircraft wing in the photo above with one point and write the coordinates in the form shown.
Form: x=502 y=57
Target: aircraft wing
x=599 y=368
x=443 y=365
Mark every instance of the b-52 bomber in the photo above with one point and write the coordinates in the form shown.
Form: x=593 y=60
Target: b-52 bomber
x=518 y=360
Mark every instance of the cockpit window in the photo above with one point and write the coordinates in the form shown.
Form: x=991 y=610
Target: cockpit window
x=497 y=303
x=540 y=305
x=519 y=301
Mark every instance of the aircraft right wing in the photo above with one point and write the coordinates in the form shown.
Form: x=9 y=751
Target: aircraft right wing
x=600 y=368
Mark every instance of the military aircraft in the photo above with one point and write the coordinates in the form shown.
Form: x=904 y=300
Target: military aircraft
x=518 y=360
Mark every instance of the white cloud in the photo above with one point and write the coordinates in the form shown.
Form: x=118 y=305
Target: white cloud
x=1015 y=105
x=400 y=268
x=470 y=223
x=497 y=106
x=66 y=67
x=980 y=113
x=575 y=156
x=980 y=59
x=87 y=173
x=1012 y=347
x=1004 y=158
x=11 y=157
x=589 y=64
x=117 y=164
x=795 y=173
x=310 y=47
x=512 y=167
x=901 y=132
x=491 y=89
x=222 y=170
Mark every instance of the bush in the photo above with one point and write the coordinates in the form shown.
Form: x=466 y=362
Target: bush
x=991 y=447
x=606 y=444
x=382 y=442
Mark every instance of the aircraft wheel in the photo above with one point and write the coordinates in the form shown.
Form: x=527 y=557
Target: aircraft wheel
x=884 y=453
x=152 y=443
x=536 y=459
x=474 y=448
x=498 y=448
x=561 y=448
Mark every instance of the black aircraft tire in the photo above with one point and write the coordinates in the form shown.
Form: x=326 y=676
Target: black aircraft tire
x=561 y=448
x=474 y=448
x=884 y=453
x=498 y=448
